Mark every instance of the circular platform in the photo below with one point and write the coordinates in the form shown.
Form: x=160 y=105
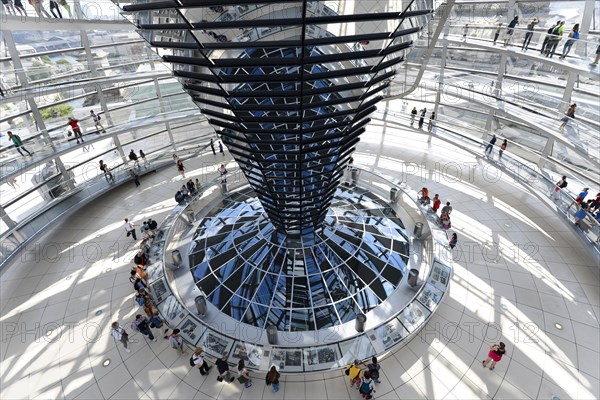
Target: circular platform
x=261 y=277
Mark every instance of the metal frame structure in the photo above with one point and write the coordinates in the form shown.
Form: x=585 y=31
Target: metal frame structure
x=288 y=97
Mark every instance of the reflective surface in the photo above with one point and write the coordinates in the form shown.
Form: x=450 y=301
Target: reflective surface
x=261 y=277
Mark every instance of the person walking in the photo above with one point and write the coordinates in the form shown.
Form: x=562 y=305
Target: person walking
x=243 y=375
x=465 y=32
x=497 y=33
x=223 y=368
x=354 y=373
x=54 y=6
x=176 y=341
x=374 y=369
x=221 y=148
x=7 y=4
x=39 y=9
x=135 y=177
x=141 y=325
x=133 y=157
x=529 y=34
x=19 y=7
x=16 y=139
x=212 y=147
x=561 y=184
x=510 y=30
x=272 y=378
x=181 y=168
x=143 y=157
x=96 y=118
x=436 y=203
x=197 y=361
x=580 y=198
x=430 y=123
x=557 y=33
x=570 y=114
x=422 y=118
x=597 y=57
x=490 y=146
x=366 y=386
x=502 y=148
x=447 y=209
x=120 y=335
x=413 y=114
x=495 y=354
x=130 y=229
x=73 y=123
x=453 y=240
x=107 y=174
x=573 y=37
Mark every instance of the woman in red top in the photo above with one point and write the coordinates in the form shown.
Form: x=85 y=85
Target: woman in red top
x=75 y=127
x=436 y=203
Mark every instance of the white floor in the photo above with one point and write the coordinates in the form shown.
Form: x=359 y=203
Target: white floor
x=519 y=270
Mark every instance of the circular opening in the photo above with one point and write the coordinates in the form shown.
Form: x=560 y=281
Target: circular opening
x=106 y=362
x=558 y=326
x=108 y=270
x=99 y=312
x=503 y=306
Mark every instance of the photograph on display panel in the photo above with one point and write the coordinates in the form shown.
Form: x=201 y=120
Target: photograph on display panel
x=155 y=271
x=322 y=357
x=250 y=353
x=287 y=360
x=389 y=334
x=191 y=330
x=159 y=290
x=215 y=344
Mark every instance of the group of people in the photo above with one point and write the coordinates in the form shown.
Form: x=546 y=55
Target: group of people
x=490 y=147
x=422 y=113
x=364 y=380
x=424 y=200
x=212 y=147
x=190 y=188
x=76 y=129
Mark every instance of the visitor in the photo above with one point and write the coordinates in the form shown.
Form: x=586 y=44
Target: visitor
x=447 y=208
x=133 y=157
x=573 y=37
x=570 y=114
x=374 y=369
x=73 y=123
x=223 y=172
x=135 y=177
x=510 y=30
x=243 y=375
x=181 y=168
x=561 y=184
x=223 y=368
x=430 y=124
x=120 y=335
x=107 y=174
x=16 y=139
x=465 y=32
x=580 y=198
x=436 y=203
x=366 y=386
x=130 y=228
x=191 y=187
x=548 y=37
x=19 y=7
x=497 y=33
x=179 y=198
x=581 y=214
x=39 y=9
x=490 y=146
x=529 y=34
x=495 y=354
x=143 y=157
x=502 y=148
x=422 y=118
x=212 y=147
x=176 y=341
x=7 y=4
x=413 y=114
x=424 y=198
x=197 y=184
x=54 y=6
x=445 y=220
x=221 y=148
x=272 y=378
x=199 y=362
x=66 y=6
x=557 y=33
x=141 y=325
x=453 y=240
x=597 y=56
x=354 y=373
x=157 y=322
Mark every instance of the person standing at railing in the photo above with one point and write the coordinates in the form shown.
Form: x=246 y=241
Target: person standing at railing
x=73 y=123
x=547 y=37
x=430 y=123
x=502 y=148
x=510 y=30
x=422 y=118
x=16 y=139
x=570 y=114
x=497 y=33
x=490 y=147
x=580 y=198
x=573 y=37
x=143 y=157
x=413 y=114
x=558 y=187
x=107 y=174
x=530 y=27
x=465 y=32
x=597 y=56
x=67 y=7
x=557 y=33
x=39 y=8
x=96 y=118
x=8 y=6
x=19 y=7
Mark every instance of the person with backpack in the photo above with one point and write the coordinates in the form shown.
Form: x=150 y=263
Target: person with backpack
x=272 y=378
x=366 y=386
x=354 y=373
x=374 y=368
x=157 y=322
x=96 y=118
x=547 y=37
x=197 y=361
x=490 y=146
x=557 y=33
x=558 y=187
x=243 y=375
x=120 y=335
x=176 y=341
x=141 y=325
x=223 y=369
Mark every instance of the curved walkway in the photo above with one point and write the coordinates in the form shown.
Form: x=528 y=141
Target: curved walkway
x=520 y=275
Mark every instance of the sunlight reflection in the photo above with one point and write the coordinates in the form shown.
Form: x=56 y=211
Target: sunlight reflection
x=519 y=215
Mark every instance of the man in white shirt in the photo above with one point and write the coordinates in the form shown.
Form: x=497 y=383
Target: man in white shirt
x=130 y=229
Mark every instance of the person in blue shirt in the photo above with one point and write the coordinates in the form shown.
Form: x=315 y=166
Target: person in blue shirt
x=580 y=214
x=580 y=198
x=573 y=37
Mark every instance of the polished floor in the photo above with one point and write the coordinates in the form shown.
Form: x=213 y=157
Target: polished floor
x=521 y=277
